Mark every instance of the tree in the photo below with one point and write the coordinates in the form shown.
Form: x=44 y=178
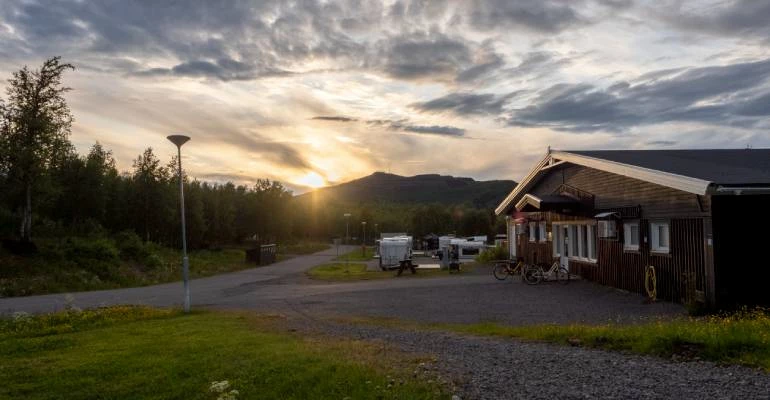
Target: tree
x=35 y=125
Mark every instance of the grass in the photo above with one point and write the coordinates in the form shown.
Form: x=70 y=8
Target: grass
x=82 y=264
x=357 y=255
x=138 y=353
x=740 y=338
x=43 y=274
x=357 y=272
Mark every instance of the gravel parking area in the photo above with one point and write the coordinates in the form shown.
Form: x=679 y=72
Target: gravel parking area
x=487 y=368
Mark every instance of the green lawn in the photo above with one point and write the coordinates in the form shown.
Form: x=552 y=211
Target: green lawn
x=739 y=338
x=357 y=272
x=357 y=255
x=140 y=353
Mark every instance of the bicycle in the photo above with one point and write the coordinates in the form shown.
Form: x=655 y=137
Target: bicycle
x=534 y=274
x=505 y=268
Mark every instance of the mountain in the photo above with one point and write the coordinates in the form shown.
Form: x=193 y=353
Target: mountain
x=429 y=188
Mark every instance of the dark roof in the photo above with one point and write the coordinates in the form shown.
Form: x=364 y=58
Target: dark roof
x=724 y=166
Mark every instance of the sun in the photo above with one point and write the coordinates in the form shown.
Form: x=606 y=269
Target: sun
x=313 y=180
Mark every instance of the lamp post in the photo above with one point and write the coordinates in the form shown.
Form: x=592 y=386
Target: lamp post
x=179 y=140
x=376 y=231
x=363 y=240
x=347 y=227
x=347 y=236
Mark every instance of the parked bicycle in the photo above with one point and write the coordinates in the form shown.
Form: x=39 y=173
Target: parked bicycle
x=505 y=268
x=534 y=274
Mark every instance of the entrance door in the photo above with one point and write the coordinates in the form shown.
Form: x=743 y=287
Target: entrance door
x=564 y=260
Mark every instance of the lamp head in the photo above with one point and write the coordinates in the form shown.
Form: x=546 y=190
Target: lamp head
x=178 y=140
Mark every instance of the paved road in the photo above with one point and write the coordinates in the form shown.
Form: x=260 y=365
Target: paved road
x=460 y=298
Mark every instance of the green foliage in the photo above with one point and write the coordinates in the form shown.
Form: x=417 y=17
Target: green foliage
x=492 y=254
x=301 y=248
x=145 y=353
x=737 y=338
x=358 y=255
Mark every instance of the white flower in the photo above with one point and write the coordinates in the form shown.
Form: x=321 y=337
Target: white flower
x=219 y=387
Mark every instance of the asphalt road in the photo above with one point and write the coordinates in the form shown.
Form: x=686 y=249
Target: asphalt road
x=283 y=286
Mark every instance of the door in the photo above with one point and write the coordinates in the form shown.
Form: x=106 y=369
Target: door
x=564 y=260
x=511 y=240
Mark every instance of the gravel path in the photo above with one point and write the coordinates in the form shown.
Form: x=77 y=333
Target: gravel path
x=489 y=368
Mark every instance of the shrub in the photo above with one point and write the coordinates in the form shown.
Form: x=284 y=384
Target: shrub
x=492 y=254
x=98 y=249
x=129 y=244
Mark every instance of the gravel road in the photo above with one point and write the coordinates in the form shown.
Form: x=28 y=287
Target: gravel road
x=490 y=368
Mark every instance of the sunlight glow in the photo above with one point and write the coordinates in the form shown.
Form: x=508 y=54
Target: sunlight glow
x=312 y=179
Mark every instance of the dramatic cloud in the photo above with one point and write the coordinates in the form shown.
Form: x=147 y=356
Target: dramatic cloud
x=280 y=89
x=336 y=118
x=406 y=126
x=464 y=104
x=543 y=16
x=742 y=18
x=736 y=95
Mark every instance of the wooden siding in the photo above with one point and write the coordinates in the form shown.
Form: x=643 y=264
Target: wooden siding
x=679 y=274
x=612 y=191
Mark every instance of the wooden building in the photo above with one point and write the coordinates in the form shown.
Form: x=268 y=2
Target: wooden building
x=697 y=216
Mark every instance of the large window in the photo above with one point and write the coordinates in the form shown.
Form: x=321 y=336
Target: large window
x=543 y=236
x=631 y=236
x=577 y=239
x=533 y=232
x=659 y=237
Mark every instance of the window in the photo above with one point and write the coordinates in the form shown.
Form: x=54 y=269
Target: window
x=591 y=242
x=541 y=232
x=659 y=235
x=608 y=229
x=556 y=229
x=631 y=236
x=532 y=232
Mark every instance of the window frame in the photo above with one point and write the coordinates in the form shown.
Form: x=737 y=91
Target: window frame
x=627 y=236
x=532 y=232
x=541 y=230
x=655 y=237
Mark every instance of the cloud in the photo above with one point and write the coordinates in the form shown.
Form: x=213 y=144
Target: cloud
x=336 y=118
x=435 y=130
x=730 y=95
x=541 y=16
x=745 y=19
x=423 y=55
x=406 y=126
x=464 y=104
x=661 y=143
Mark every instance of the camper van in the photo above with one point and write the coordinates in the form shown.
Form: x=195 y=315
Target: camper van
x=394 y=250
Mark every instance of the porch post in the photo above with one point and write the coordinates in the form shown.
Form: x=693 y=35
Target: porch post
x=708 y=252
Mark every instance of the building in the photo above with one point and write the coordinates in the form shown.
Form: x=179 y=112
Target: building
x=696 y=216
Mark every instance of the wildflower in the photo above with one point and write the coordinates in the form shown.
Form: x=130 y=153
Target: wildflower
x=219 y=387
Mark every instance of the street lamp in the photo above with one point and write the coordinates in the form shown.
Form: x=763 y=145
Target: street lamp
x=179 y=140
x=363 y=240
x=347 y=227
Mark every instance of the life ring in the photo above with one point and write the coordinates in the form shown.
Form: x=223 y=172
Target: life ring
x=651 y=282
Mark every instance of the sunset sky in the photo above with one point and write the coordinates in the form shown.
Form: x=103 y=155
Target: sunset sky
x=318 y=92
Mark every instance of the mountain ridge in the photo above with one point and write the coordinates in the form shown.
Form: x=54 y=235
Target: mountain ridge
x=422 y=188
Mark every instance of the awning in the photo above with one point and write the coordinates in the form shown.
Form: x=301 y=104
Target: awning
x=554 y=202
x=607 y=215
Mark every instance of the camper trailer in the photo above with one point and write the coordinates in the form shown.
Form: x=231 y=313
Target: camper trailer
x=468 y=249
x=394 y=250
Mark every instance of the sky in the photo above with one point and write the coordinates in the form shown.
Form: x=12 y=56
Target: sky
x=313 y=93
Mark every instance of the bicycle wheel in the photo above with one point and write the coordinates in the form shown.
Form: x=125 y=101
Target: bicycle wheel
x=500 y=271
x=562 y=276
x=532 y=275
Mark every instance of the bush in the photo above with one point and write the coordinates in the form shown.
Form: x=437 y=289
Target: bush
x=97 y=249
x=129 y=244
x=492 y=254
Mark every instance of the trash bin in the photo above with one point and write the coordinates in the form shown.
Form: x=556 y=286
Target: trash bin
x=263 y=255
